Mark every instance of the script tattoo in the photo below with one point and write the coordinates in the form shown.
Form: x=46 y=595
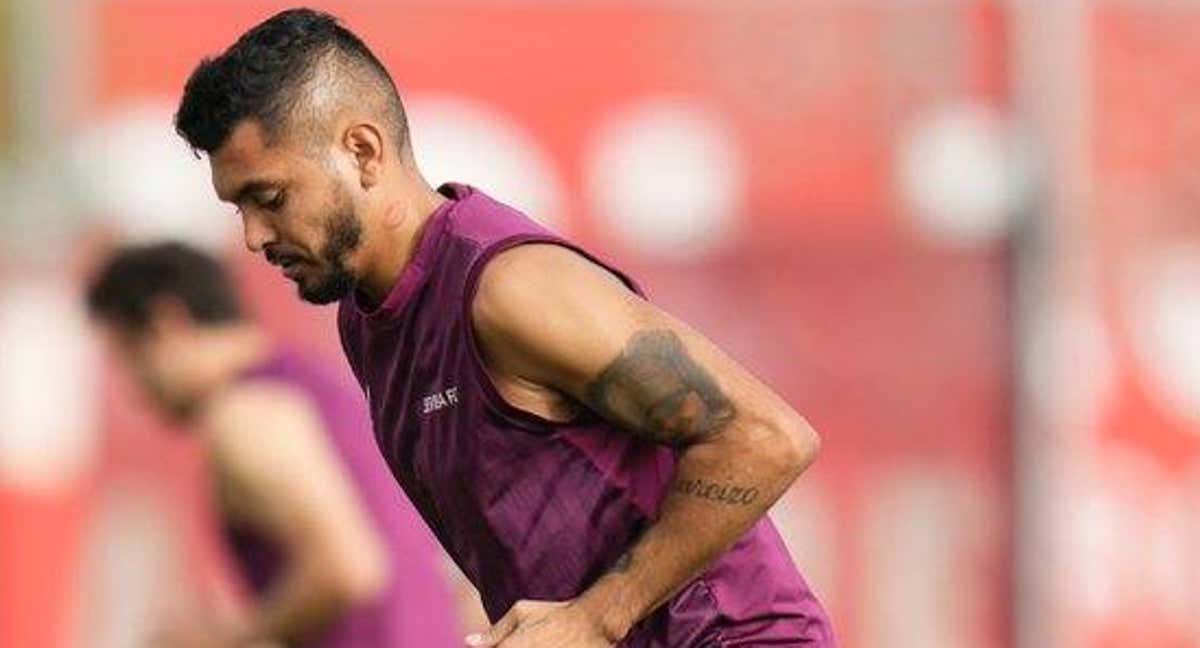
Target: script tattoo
x=724 y=493
x=656 y=387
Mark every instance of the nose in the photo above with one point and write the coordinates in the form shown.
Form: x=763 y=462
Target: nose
x=258 y=232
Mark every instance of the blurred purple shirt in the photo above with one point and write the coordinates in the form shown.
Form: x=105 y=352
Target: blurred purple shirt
x=416 y=607
x=529 y=508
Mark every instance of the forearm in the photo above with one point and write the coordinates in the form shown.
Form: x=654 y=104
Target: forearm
x=719 y=491
x=303 y=604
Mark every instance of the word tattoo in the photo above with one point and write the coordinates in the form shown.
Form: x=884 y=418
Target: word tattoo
x=726 y=494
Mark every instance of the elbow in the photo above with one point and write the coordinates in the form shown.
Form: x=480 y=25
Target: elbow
x=359 y=579
x=796 y=445
x=362 y=587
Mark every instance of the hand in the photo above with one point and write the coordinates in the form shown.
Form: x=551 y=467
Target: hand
x=543 y=624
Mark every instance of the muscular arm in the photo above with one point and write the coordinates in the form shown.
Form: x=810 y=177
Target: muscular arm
x=284 y=478
x=548 y=317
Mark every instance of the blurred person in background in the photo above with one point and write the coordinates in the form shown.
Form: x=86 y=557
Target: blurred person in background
x=599 y=470
x=313 y=519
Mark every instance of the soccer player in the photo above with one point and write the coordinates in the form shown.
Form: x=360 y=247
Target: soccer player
x=598 y=469
x=316 y=525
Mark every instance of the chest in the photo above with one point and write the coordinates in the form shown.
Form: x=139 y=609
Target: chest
x=423 y=401
x=440 y=417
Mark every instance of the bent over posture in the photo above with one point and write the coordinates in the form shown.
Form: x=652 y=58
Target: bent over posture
x=314 y=522
x=599 y=470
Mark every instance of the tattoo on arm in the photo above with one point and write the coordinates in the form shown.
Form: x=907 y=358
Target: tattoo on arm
x=730 y=494
x=656 y=387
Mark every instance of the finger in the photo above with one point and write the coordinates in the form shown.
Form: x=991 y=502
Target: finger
x=528 y=634
x=497 y=632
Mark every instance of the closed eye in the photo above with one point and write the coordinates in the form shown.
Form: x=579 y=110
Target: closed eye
x=274 y=203
x=271 y=202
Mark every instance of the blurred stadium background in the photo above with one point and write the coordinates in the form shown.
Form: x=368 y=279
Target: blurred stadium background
x=963 y=237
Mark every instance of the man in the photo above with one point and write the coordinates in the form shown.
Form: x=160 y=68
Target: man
x=598 y=470
x=310 y=512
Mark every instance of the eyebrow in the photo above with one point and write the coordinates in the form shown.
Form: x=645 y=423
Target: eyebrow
x=251 y=187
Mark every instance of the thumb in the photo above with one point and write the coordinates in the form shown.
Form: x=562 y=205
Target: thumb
x=495 y=634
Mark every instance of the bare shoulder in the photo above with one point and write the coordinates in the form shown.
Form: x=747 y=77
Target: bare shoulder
x=538 y=303
x=251 y=396
x=537 y=273
x=283 y=472
x=261 y=422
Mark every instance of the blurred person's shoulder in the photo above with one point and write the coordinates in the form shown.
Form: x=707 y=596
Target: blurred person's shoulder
x=256 y=407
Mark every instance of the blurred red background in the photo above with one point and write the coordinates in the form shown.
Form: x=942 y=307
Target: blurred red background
x=906 y=341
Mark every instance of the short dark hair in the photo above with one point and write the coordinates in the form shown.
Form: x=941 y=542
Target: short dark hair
x=124 y=289
x=259 y=77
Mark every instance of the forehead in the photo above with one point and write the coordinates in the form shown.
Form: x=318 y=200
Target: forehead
x=246 y=156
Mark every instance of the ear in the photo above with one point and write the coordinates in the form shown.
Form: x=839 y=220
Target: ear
x=365 y=142
x=168 y=315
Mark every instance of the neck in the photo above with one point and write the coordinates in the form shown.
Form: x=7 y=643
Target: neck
x=395 y=239
x=227 y=351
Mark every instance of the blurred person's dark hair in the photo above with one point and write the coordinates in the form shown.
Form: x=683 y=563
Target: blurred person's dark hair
x=124 y=290
x=291 y=61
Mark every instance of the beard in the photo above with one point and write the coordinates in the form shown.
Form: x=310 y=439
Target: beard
x=332 y=280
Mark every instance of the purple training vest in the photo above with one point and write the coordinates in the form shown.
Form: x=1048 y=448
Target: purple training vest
x=529 y=508
x=416 y=607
